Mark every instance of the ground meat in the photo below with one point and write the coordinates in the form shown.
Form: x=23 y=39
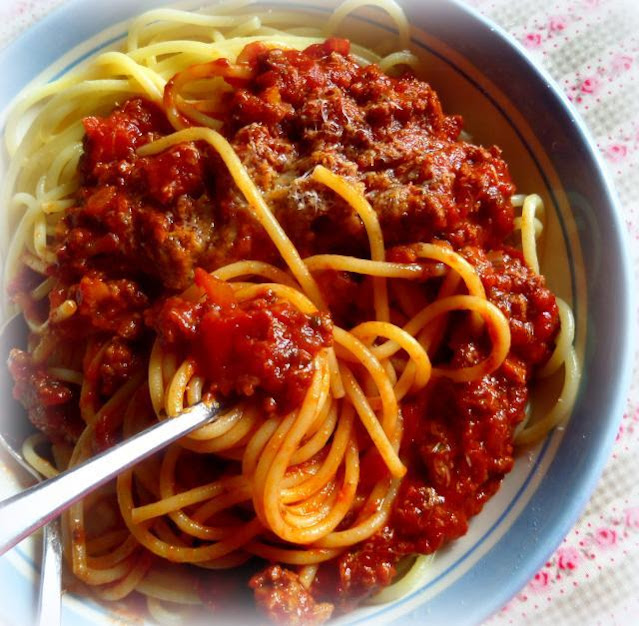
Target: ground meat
x=523 y=297
x=457 y=446
x=51 y=405
x=118 y=231
x=460 y=447
x=110 y=142
x=389 y=135
x=369 y=567
x=168 y=213
x=149 y=215
x=262 y=346
x=282 y=598
x=103 y=306
x=120 y=360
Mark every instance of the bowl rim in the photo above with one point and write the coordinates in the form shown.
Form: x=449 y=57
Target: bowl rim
x=52 y=48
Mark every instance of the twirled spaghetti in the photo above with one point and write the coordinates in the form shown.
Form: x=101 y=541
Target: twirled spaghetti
x=234 y=206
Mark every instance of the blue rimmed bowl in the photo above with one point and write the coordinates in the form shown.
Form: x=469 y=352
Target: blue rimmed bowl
x=480 y=72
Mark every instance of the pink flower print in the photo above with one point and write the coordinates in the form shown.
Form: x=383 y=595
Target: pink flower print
x=632 y=518
x=606 y=537
x=532 y=40
x=590 y=85
x=593 y=4
x=568 y=558
x=558 y=23
x=616 y=152
x=621 y=63
x=540 y=581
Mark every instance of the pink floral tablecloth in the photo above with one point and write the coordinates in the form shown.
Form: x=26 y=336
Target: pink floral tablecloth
x=591 y=47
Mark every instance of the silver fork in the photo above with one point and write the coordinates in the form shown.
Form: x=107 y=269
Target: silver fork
x=13 y=431
x=50 y=594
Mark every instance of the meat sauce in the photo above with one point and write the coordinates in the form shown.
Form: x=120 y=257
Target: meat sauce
x=142 y=226
x=262 y=344
x=51 y=405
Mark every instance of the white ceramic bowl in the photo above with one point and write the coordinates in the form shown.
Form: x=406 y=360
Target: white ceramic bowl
x=483 y=74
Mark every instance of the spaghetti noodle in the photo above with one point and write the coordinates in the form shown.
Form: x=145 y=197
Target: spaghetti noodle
x=235 y=206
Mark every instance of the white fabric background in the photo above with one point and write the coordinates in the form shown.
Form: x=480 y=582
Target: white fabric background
x=591 y=47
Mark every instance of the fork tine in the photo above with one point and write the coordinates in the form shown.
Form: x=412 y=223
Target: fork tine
x=49 y=602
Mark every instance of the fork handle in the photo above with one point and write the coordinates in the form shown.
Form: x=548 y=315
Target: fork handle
x=24 y=513
x=50 y=596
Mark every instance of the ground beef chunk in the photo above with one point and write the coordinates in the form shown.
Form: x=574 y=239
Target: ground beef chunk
x=51 y=405
x=282 y=598
x=523 y=297
x=368 y=568
x=103 y=306
x=119 y=362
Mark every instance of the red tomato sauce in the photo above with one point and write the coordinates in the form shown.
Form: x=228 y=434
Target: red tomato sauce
x=263 y=344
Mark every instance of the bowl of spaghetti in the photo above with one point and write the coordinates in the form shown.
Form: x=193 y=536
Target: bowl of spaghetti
x=378 y=234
